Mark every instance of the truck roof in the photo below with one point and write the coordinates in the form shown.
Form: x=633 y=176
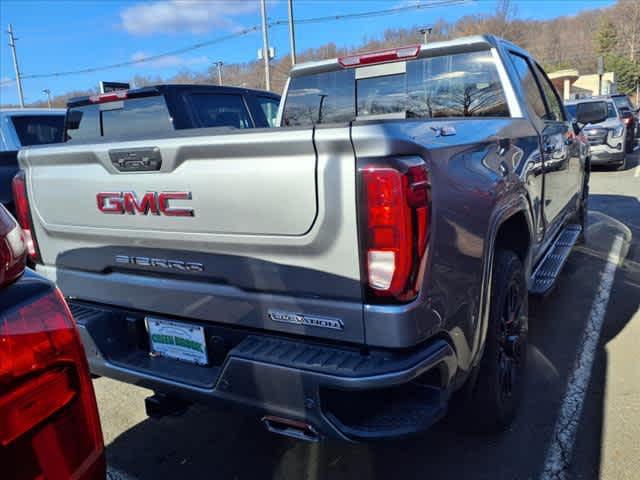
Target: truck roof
x=177 y=87
x=458 y=45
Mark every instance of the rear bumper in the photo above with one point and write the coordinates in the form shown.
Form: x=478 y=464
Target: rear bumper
x=605 y=156
x=337 y=389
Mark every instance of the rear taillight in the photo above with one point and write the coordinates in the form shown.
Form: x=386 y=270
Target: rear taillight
x=381 y=56
x=13 y=249
x=395 y=227
x=49 y=424
x=627 y=121
x=21 y=202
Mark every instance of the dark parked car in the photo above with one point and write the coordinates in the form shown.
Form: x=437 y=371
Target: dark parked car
x=49 y=424
x=22 y=127
x=162 y=109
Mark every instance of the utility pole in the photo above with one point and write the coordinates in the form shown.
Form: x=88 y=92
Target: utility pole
x=292 y=34
x=219 y=65
x=265 y=45
x=48 y=92
x=12 y=44
x=600 y=73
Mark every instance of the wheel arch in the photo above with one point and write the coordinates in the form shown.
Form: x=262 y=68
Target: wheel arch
x=512 y=217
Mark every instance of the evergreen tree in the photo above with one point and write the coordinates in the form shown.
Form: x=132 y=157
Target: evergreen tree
x=606 y=38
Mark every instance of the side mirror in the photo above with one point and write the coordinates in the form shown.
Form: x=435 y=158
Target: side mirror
x=591 y=112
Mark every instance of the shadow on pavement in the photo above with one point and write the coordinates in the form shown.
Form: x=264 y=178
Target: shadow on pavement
x=224 y=445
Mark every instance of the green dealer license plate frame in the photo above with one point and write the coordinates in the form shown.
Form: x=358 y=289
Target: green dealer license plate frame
x=176 y=340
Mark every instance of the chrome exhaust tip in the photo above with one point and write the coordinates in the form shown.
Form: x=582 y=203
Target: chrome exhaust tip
x=291 y=428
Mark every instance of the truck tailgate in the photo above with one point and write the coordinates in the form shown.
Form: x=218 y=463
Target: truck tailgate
x=240 y=185
x=273 y=227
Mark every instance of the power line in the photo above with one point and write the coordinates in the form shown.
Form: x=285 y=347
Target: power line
x=247 y=31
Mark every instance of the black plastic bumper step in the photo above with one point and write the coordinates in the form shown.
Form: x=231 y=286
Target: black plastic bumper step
x=338 y=360
x=390 y=413
x=546 y=274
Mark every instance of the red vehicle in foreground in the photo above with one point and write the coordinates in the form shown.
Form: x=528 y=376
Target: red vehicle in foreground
x=49 y=424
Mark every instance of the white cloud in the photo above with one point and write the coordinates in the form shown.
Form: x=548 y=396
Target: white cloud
x=194 y=16
x=169 y=61
x=6 y=82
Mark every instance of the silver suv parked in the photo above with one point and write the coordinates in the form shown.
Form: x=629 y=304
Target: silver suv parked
x=607 y=139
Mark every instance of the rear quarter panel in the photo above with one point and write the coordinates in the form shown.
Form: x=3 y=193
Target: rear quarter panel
x=486 y=165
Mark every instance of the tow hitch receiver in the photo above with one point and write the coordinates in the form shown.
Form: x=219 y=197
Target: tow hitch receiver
x=160 y=405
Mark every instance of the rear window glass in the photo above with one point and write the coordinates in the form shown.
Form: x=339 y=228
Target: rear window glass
x=460 y=85
x=38 y=129
x=214 y=110
x=611 y=112
x=135 y=117
x=321 y=98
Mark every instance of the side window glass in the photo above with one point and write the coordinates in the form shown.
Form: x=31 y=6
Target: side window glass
x=551 y=95
x=529 y=85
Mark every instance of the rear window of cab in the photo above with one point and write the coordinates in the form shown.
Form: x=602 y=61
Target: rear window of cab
x=456 y=85
x=137 y=117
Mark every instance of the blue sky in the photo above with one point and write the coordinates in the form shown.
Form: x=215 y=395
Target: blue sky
x=63 y=35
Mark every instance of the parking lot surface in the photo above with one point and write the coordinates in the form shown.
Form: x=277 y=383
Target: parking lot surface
x=580 y=418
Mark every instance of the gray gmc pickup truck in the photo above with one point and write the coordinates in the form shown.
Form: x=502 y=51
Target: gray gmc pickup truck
x=343 y=274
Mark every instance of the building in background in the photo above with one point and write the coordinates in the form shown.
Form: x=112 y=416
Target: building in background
x=573 y=85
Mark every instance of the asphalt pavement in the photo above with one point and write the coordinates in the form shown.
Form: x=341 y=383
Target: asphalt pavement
x=580 y=418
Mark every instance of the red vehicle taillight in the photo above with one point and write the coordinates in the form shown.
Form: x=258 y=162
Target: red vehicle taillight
x=21 y=202
x=49 y=424
x=13 y=249
x=395 y=228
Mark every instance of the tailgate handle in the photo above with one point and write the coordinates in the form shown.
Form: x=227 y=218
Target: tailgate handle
x=145 y=159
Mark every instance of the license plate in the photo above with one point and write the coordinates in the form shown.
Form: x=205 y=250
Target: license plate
x=176 y=340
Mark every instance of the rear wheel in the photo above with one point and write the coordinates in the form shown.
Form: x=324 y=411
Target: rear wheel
x=497 y=391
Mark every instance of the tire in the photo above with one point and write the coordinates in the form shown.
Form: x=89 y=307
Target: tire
x=630 y=143
x=497 y=390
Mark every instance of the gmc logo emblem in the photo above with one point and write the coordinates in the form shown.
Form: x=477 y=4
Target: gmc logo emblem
x=154 y=203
